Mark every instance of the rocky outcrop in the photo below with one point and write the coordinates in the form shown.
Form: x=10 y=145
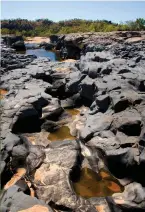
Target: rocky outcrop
x=67 y=49
x=110 y=81
x=15 y=42
x=74 y=44
x=10 y=60
x=104 y=38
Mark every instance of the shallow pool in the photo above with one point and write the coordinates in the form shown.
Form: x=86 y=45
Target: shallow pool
x=63 y=133
x=89 y=186
x=42 y=53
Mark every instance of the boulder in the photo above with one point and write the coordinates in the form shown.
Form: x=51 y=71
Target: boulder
x=105 y=144
x=54 y=38
x=103 y=102
x=10 y=141
x=95 y=123
x=51 y=112
x=73 y=85
x=90 y=68
x=26 y=120
x=87 y=88
x=128 y=122
x=72 y=101
x=127 y=159
x=119 y=102
x=19 y=46
x=133 y=198
x=68 y=48
x=126 y=141
x=15 y=42
x=49 y=126
x=46 y=46
x=70 y=51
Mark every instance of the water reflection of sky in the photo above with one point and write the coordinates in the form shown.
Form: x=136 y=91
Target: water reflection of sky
x=42 y=53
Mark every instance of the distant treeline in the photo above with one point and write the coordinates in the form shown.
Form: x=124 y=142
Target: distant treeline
x=46 y=27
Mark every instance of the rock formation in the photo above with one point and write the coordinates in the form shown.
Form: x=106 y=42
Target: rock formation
x=109 y=79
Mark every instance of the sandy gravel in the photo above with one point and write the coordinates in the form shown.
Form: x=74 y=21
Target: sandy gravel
x=37 y=39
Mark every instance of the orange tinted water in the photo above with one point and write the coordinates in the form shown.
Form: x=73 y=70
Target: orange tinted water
x=88 y=186
x=2 y=93
x=63 y=133
x=72 y=112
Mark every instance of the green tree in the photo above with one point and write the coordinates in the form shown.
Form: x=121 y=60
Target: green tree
x=140 y=22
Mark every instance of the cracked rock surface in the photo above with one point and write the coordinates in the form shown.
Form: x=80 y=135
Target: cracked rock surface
x=109 y=132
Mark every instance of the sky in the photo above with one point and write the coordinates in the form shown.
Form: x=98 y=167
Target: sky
x=62 y=10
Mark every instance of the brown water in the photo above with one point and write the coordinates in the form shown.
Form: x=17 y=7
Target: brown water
x=72 y=112
x=63 y=133
x=88 y=186
x=2 y=93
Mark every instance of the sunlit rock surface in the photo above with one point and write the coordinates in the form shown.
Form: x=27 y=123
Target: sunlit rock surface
x=91 y=160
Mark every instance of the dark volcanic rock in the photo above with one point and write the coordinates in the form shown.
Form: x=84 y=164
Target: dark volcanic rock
x=109 y=79
x=68 y=49
x=87 y=88
x=54 y=38
x=47 y=46
x=103 y=102
x=19 y=46
x=15 y=42
x=128 y=122
x=26 y=120
x=96 y=123
x=10 y=60
x=49 y=126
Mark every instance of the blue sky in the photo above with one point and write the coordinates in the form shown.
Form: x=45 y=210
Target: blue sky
x=114 y=11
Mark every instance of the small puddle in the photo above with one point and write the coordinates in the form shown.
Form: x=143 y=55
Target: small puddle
x=63 y=133
x=2 y=93
x=88 y=186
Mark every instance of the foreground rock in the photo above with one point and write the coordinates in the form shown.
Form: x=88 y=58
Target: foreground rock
x=14 y=199
x=110 y=134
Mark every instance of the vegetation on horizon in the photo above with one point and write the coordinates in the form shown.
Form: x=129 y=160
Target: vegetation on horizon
x=46 y=27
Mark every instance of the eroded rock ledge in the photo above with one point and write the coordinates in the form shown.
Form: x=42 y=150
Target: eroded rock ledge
x=38 y=174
